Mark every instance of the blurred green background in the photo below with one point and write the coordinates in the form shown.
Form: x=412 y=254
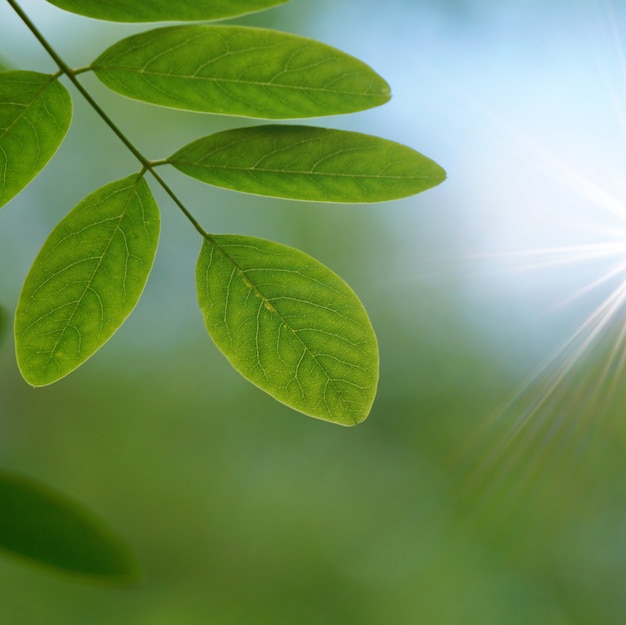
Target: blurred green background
x=485 y=487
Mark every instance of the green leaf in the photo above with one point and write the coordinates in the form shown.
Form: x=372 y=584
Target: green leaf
x=45 y=526
x=306 y=163
x=289 y=325
x=236 y=70
x=35 y=113
x=86 y=279
x=163 y=10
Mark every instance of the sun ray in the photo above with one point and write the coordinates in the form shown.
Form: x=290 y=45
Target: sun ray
x=548 y=415
x=532 y=397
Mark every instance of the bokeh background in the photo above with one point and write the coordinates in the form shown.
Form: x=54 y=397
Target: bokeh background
x=487 y=485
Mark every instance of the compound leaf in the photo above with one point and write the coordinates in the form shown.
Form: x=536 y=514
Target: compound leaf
x=39 y=524
x=306 y=163
x=86 y=279
x=163 y=10
x=236 y=70
x=289 y=325
x=35 y=114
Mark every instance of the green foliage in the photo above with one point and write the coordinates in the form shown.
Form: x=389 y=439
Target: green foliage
x=323 y=359
x=164 y=10
x=93 y=268
x=304 y=336
x=234 y=70
x=284 y=321
x=306 y=163
x=35 y=114
x=45 y=526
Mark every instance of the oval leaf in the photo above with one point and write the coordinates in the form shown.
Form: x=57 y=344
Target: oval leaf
x=86 y=279
x=306 y=163
x=164 y=10
x=236 y=70
x=289 y=325
x=35 y=113
x=42 y=525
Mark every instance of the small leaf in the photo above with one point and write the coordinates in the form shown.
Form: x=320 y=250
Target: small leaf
x=289 y=325
x=86 y=280
x=236 y=70
x=42 y=525
x=164 y=10
x=306 y=163
x=35 y=113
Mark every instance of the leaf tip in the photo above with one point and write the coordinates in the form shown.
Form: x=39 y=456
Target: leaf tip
x=125 y=570
x=43 y=526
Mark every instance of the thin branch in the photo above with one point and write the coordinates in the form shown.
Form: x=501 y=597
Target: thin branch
x=64 y=68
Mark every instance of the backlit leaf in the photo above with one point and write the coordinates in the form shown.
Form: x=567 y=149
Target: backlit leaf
x=236 y=70
x=86 y=279
x=306 y=163
x=45 y=526
x=289 y=325
x=35 y=113
x=163 y=10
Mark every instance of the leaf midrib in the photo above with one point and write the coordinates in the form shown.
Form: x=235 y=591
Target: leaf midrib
x=267 y=170
x=255 y=83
